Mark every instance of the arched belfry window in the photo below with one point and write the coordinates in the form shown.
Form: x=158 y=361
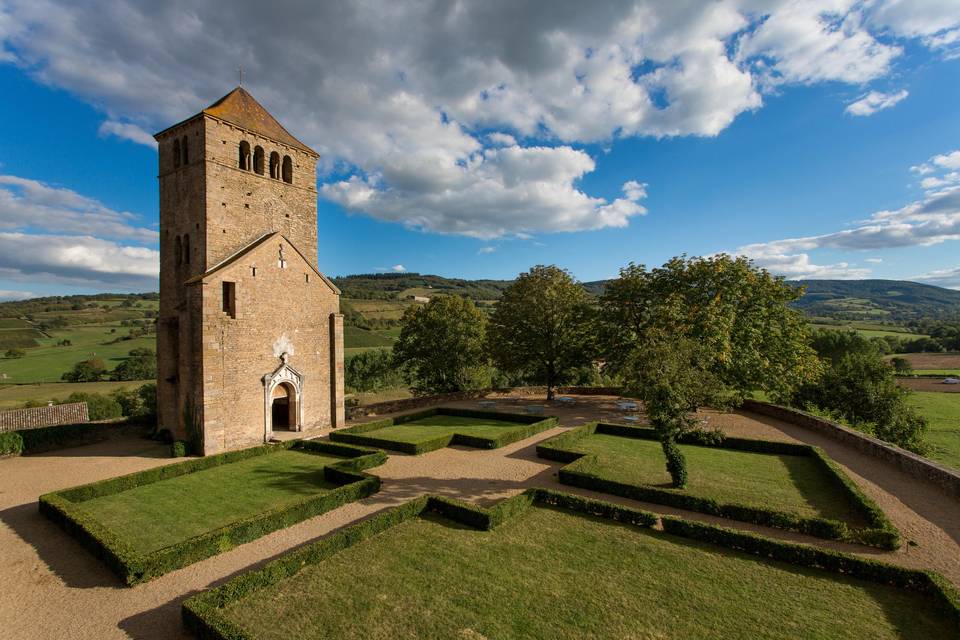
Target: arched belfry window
x=186 y=248
x=287 y=170
x=258 y=160
x=177 y=250
x=176 y=154
x=275 y=165
x=245 y=155
x=186 y=154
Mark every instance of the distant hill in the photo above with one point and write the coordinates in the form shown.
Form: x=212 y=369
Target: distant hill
x=891 y=300
x=394 y=286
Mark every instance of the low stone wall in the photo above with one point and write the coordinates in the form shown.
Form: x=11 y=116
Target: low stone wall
x=39 y=417
x=408 y=404
x=908 y=462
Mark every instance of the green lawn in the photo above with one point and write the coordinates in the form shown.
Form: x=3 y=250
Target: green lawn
x=14 y=396
x=943 y=434
x=153 y=516
x=791 y=483
x=47 y=362
x=355 y=337
x=937 y=372
x=424 y=429
x=550 y=574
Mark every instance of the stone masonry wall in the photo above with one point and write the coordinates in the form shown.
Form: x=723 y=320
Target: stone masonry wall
x=38 y=417
x=243 y=205
x=237 y=352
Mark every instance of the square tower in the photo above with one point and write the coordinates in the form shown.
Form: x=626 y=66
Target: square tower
x=250 y=336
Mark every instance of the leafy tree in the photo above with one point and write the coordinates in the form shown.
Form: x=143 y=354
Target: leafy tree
x=666 y=374
x=833 y=345
x=901 y=366
x=15 y=353
x=542 y=327
x=702 y=331
x=142 y=366
x=440 y=349
x=861 y=389
x=137 y=403
x=371 y=370
x=99 y=406
x=91 y=370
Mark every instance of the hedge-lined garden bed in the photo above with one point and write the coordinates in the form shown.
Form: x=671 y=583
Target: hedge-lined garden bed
x=549 y=564
x=864 y=521
x=180 y=499
x=431 y=429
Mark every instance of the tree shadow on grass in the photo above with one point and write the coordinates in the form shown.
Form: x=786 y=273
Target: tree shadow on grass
x=65 y=557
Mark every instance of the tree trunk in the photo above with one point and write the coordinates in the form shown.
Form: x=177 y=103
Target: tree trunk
x=550 y=378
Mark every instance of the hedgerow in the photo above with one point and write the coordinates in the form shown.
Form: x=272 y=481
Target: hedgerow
x=65 y=509
x=880 y=532
x=202 y=614
x=528 y=426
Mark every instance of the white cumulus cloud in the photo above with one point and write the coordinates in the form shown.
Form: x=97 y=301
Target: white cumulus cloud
x=423 y=103
x=874 y=101
x=127 y=131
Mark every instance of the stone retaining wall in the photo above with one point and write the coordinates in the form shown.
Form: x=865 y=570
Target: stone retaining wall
x=39 y=417
x=392 y=406
x=908 y=462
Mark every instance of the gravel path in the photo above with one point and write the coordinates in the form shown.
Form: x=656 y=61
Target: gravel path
x=53 y=588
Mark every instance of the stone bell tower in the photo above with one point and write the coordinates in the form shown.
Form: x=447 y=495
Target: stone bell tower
x=250 y=337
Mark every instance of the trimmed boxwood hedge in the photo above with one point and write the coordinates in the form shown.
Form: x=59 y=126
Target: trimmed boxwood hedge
x=58 y=437
x=65 y=508
x=202 y=613
x=880 y=532
x=527 y=426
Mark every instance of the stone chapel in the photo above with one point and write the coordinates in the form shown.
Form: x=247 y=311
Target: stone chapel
x=250 y=335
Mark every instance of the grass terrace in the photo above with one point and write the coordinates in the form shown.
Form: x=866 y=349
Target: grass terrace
x=776 y=484
x=424 y=431
x=148 y=523
x=550 y=565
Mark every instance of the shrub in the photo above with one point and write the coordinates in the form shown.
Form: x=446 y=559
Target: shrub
x=901 y=366
x=86 y=371
x=676 y=465
x=99 y=406
x=10 y=443
x=372 y=370
x=178 y=449
x=15 y=353
x=861 y=390
x=142 y=366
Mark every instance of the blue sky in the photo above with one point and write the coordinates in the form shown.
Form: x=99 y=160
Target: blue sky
x=821 y=139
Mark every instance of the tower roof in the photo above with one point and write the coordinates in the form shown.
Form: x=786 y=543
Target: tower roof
x=242 y=109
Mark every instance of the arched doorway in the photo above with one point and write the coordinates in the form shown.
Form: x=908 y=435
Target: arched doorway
x=283 y=407
x=282 y=400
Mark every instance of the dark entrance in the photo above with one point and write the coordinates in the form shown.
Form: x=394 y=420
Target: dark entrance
x=283 y=408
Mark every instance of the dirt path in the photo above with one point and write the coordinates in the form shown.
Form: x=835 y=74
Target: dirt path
x=53 y=588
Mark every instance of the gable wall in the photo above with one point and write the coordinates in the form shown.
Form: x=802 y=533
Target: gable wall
x=238 y=352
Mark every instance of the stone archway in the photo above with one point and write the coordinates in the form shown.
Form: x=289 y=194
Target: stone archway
x=282 y=400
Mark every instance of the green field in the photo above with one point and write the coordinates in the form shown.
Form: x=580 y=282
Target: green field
x=157 y=515
x=47 y=362
x=937 y=372
x=354 y=337
x=14 y=396
x=785 y=482
x=943 y=434
x=868 y=330
x=425 y=429
x=547 y=573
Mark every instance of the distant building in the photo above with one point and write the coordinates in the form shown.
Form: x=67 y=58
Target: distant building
x=421 y=299
x=250 y=335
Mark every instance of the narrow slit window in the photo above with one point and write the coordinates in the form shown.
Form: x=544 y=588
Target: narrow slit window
x=230 y=299
x=306 y=278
